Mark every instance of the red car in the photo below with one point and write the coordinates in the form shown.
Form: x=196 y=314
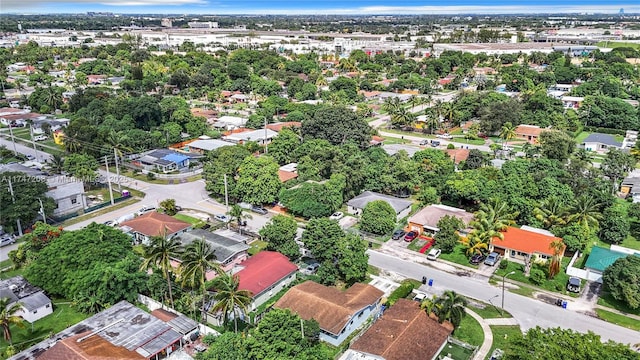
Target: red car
x=411 y=235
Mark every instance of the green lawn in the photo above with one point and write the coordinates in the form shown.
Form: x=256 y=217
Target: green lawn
x=469 y=331
x=489 y=311
x=63 y=316
x=618 y=319
x=462 y=140
x=615 y=44
x=557 y=284
x=583 y=135
x=186 y=218
x=455 y=352
x=257 y=246
x=458 y=256
x=394 y=140
x=607 y=300
x=501 y=336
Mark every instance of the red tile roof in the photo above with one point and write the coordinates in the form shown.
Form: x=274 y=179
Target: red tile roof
x=528 y=242
x=286 y=175
x=404 y=332
x=264 y=270
x=458 y=155
x=277 y=127
x=528 y=130
x=156 y=224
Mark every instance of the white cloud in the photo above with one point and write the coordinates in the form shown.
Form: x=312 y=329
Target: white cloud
x=9 y=5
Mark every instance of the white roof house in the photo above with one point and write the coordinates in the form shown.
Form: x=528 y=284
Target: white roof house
x=230 y=122
x=261 y=136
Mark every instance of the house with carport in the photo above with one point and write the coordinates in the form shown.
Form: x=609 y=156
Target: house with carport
x=518 y=244
x=600 y=259
x=402 y=207
x=338 y=312
x=142 y=228
x=403 y=332
x=229 y=252
x=426 y=220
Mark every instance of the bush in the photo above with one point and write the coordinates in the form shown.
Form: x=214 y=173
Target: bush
x=151 y=176
x=451 y=146
x=405 y=288
x=537 y=276
x=503 y=264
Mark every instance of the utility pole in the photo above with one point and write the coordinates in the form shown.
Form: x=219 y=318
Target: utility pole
x=13 y=140
x=44 y=217
x=13 y=197
x=106 y=164
x=226 y=193
x=266 y=148
x=115 y=153
x=34 y=143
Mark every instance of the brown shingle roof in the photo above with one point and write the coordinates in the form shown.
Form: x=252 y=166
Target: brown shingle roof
x=458 y=155
x=404 y=332
x=277 y=127
x=430 y=215
x=93 y=348
x=156 y=224
x=285 y=176
x=330 y=307
x=527 y=130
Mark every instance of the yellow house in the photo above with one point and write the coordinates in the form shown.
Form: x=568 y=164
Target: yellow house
x=58 y=137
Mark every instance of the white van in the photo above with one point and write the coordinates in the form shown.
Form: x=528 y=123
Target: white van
x=6 y=239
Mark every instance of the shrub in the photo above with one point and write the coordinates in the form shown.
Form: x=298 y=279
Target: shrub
x=537 y=276
x=151 y=176
x=451 y=146
x=405 y=288
x=503 y=264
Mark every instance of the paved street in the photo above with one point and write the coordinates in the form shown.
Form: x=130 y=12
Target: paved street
x=529 y=312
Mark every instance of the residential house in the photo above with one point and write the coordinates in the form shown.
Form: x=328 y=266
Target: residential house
x=601 y=258
x=530 y=133
x=164 y=160
x=572 y=102
x=630 y=139
x=600 y=142
x=229 y=252
x=338 y=312
x=526 y=242
x=238 y=98
x=631 y=187
x=404 y=332
x=559 y=90
x=265 y=274
x=370 y=95
x=393 y=149
x=261 y=136
x=34 y=304
x=426 y=220
x=96 y=79
x=230 y=122
x=288 y=172
x=204 y=144
x=121 y=332
x=277 y=127
x=142 y=228
x=458 y=155
x=356 y=205
x=376 y=141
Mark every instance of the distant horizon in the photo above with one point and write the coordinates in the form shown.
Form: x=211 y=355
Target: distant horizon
x=312 y=7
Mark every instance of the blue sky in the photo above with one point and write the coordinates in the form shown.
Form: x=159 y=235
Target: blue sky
x=358 y=7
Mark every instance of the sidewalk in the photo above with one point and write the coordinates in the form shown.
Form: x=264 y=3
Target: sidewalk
x=484 y=349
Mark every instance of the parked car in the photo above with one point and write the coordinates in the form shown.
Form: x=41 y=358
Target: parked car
x=311 y=269
x=145 y=209
x=242 y=222
x=477 y=259
x=435 y=143
x=444 y=136
x=411 y=235
x=336 y=216
x=424 y=142
x=420 y=297
x=111 y=223
x=30 y=157
x=398 y=234
x=222 y=218
x=6 y=239
x=40 y=138
x=573 y=285
x=492 y=259
x=433 y=254
x=259 y=209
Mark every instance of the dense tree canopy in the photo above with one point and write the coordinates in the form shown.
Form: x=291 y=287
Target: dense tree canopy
x=338 y=125
x=19 y=194
x=622 y=280
x=378 y=217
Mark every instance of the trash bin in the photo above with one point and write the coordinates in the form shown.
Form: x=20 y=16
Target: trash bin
x=424 y=280
x=564 y=304
x=430 y=282
x=125 y=193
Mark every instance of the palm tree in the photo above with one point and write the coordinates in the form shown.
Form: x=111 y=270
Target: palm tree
x=477 y=242
x=551 y=211
x=229 y=298
x=238 y=214
x=159 y=252
x=635 y=151
x=433 y=120
x=402 y=117
x=53 y=98
x=449 y=112
x=507 y=132
x=56 y=163
x=198 y=258
x=585 y=211
x=554 y=266
x=451 y=307
x=430 y=306
x=9 y=318
x=497 y=215
x=391 y=105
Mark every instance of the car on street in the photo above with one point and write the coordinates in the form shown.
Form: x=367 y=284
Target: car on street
x=336 y=216
x=444 y=136
x=492 y=259
x=410 y=236
x=433 y=254
x=145 y=209
x=424 y=142
x=259 y=209
x=435 y=143
x=111 y=223
x=398 y=234
x=477 y=259
x=40 y=138
x=30 y=157
x=311 y=269
x=7 y=239
x=573 y=285
x=222 y=218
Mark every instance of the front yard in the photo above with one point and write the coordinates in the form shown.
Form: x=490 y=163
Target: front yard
x=557 y=284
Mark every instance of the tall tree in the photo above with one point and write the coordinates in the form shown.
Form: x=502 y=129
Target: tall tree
x=229 y=299
x=450 y=307
x=159 y=252
x=9 y=317
x=198 y=258
x=557 y=247
x=280 y=233
x=585 y=211
x=378 y=217
x=507 y=132
x=258 y=181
